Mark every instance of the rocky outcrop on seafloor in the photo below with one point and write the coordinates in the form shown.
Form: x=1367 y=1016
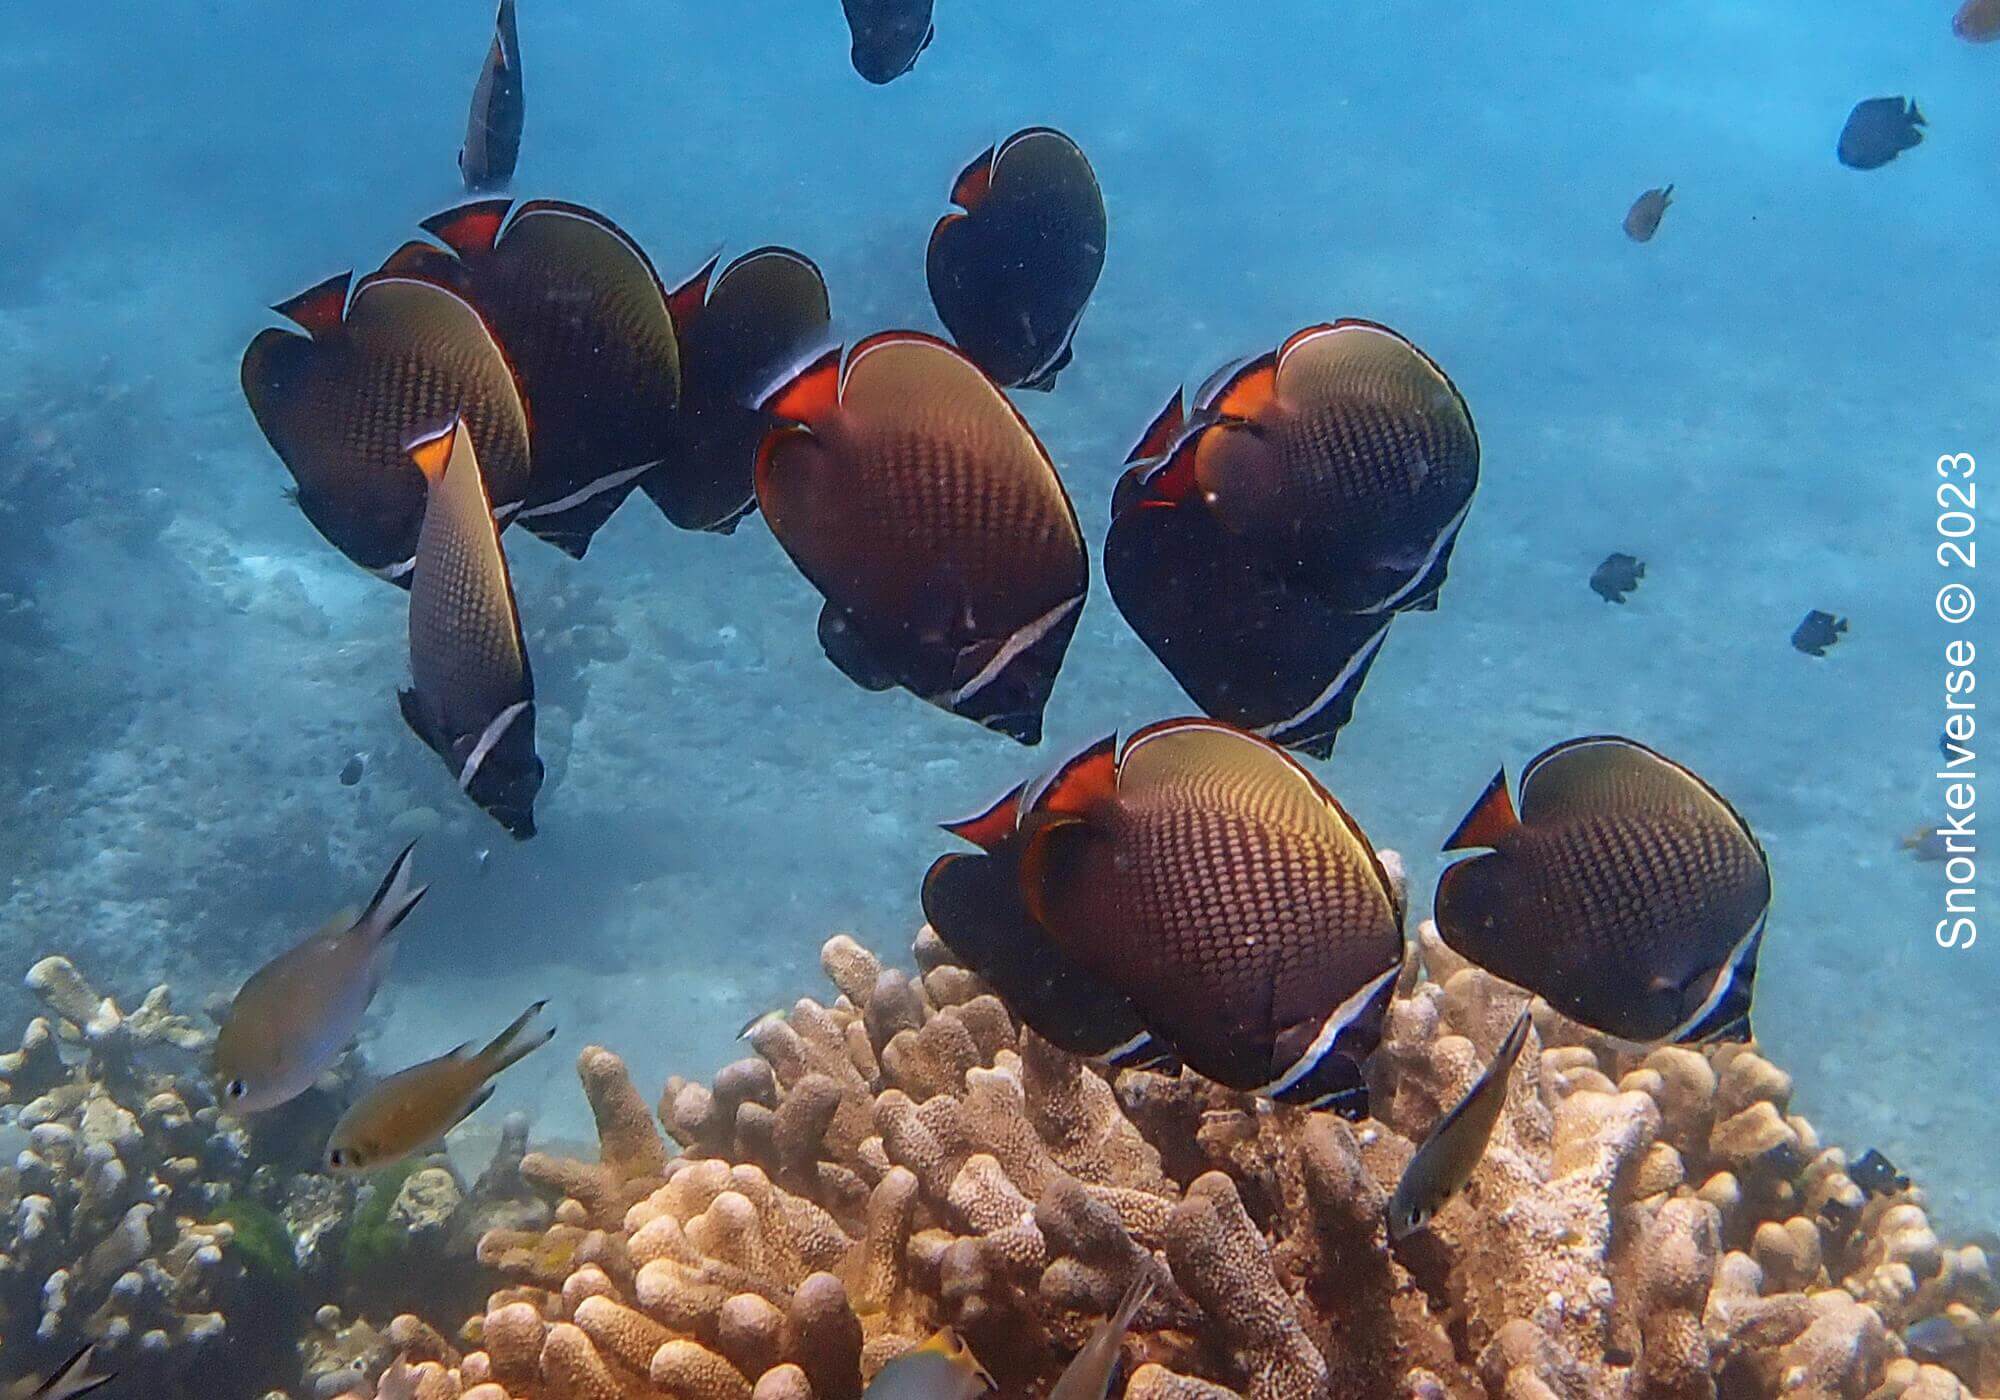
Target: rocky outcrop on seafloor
x=1653 y=1226
x=194 y=1248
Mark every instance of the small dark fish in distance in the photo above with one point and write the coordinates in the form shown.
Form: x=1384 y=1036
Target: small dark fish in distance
x=472 y=693
x=1617 y=576
x=1878 y=130
x=1642 y=220
x=1876 y=1174
x=1011 y=275
x=1934 y=1338
x=888 y=36
x=1455 y=1147
x=1818 y=631
x=72 y=1379
x=493 y=130
x=351 y=771
x=1626 y=893
x=1977 y=21
x=1926 y=843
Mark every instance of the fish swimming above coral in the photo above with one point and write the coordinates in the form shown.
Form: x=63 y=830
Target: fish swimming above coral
x=1088 y=1376
x=416 y=1107
x=942 y=1368
x=339 y=403
x=1263 y=540
x=583 y=319
x=1446 y=1159
x=1878 y=130
x=977 y=906
x=1626 y=893
x=1642 y=220
x=73 y=1378
x=295 y=1015
x=768 y=309
x=1011 y=275
x=916 y=498
x=472 y=691
x=888 y=35
x=1206 y=877
x=499 y=107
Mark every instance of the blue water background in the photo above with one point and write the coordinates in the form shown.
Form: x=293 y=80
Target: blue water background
x=1752 y=404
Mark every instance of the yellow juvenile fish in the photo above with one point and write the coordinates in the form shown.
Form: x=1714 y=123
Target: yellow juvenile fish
x=1444 y=1163
x=415 y=1107
x=943 y=1368
x=300 y=1010
x=1088 y=1377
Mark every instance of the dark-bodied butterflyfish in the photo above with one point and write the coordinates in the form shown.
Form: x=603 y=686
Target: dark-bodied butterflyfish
x=914 y=496
x=583 y=319
x=499 y=106
x=767 y=310
x=1454 y=1147
x=974 y=903
x=1205 y=877
x=887 y=36
x=1626 y=893
x=1011 y=275
x=472 y=692
x=340 y=403
x=1264 y=538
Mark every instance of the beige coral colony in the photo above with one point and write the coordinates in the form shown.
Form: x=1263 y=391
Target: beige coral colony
x=905 y=1156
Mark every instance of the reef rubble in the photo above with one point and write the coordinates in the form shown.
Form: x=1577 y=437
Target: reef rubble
x=1657 y=1226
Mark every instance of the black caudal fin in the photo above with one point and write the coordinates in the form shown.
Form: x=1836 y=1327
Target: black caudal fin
x=847 y=649
x=1725 y=1013
x=1490 y=822
x=1045 y=381
x=973 y=903
x=507 y=1048
x=393 y=899
x=412 y=706
x=1329 y=1072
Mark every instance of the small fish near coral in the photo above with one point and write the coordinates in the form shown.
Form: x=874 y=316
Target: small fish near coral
x=942 y=1368
x=300 y=1011
x=1617 y=577
x=1447 y=1158
x=1817 y=632
x=1642 y=220
x=416 y=1107
x=1089 y=1375
x=1878 y=130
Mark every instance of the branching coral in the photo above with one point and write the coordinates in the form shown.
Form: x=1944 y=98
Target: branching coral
x=1655 y=1226
x=186 y=1244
